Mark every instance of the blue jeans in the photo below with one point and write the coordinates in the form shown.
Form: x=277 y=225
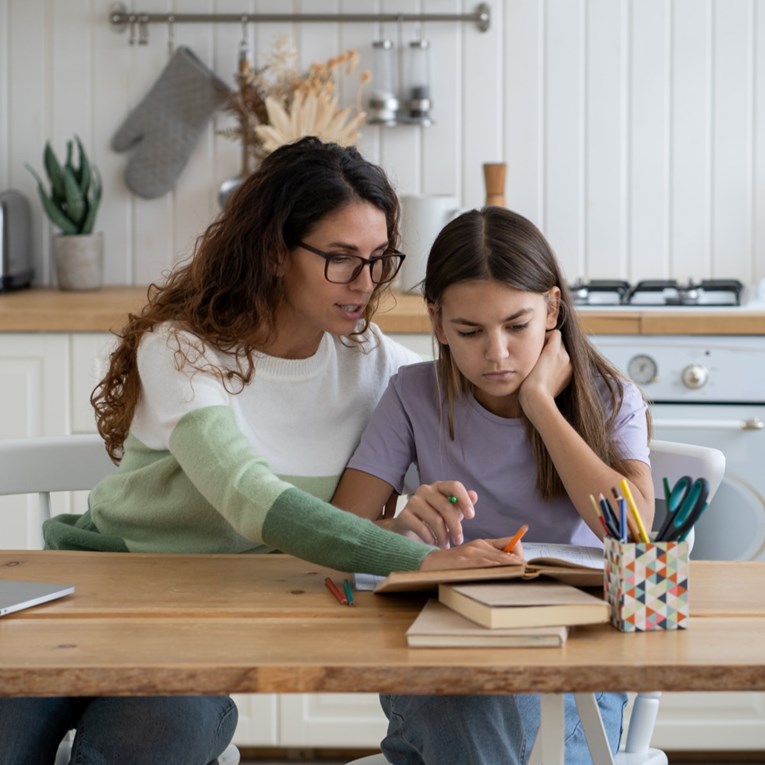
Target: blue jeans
x=152 y=730
x=484 y=730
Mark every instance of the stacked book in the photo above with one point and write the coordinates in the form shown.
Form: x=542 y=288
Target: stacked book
x=510 y=611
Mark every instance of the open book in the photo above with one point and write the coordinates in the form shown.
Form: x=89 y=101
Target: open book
x=572 y=564
x=513 y=604
x=437 y=626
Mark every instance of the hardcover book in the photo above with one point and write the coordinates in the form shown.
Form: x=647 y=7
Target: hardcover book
x=440 y=627
x=572 y=564
x=530 y=604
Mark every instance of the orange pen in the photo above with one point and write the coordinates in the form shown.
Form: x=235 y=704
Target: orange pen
x=516 y=538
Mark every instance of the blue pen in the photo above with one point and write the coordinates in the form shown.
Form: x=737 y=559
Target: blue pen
x=623 y=519
x=609 y=516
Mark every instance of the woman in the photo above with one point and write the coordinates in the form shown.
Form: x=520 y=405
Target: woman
x=526 y=420
x=232 y=403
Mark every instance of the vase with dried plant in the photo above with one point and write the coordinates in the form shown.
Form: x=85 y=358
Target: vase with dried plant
x=276 y=103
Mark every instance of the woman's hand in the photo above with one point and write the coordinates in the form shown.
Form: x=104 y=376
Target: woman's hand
x=479 y=553
x=550 y=375
x=430 y=516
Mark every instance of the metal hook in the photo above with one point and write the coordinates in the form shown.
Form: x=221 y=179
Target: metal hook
x=143 y=30
x=131 y=38
x=170 y=35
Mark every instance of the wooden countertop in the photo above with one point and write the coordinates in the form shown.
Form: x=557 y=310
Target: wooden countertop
x=53 y=310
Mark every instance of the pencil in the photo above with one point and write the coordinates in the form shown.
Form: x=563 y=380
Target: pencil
x=599 y=513
x=632 y=527
x=516 y=538
x=348 y=592
x=625 y=487
x=332 y=587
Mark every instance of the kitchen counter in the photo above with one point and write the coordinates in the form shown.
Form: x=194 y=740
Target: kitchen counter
x=53 y=310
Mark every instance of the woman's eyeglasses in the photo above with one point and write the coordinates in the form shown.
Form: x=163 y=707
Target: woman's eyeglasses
x=343 y=269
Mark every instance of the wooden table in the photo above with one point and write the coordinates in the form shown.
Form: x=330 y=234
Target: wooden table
x=161 y=624
x=143 y=624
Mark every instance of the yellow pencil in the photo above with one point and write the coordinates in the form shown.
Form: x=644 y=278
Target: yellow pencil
x=625 y=487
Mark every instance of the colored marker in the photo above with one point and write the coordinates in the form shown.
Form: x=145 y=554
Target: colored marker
x=348 y=592
x=333 y=588
x=452 y=499
x=516 y=538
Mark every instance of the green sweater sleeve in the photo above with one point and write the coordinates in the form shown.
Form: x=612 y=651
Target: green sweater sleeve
x=219 y=461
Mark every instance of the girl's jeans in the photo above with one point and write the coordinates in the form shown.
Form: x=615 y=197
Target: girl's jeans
x=484 y=730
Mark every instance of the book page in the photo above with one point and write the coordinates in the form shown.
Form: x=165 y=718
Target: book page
x=572 y=555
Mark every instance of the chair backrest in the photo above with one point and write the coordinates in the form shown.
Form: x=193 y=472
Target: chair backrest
x=44 y=464
x=672 y=460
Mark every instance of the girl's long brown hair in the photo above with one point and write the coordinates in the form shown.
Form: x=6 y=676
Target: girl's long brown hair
x=227 y=294
x=498 y=244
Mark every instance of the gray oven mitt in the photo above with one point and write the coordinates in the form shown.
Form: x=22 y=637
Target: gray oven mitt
x=163 y=129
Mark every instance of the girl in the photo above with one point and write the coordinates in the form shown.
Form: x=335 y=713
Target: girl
x=232 y=403
x=520 y=420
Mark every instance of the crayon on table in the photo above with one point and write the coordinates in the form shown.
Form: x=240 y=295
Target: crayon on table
x=333 y=588
x=348 y=592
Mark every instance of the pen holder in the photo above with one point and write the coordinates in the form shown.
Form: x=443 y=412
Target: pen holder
x=646 y=585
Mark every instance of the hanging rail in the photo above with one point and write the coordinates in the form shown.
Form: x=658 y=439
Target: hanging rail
x=120 y=18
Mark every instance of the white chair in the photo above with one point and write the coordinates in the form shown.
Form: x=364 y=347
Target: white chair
x=42 y=465
x=669 y=460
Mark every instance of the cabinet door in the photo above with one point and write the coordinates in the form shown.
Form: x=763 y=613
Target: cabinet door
x=711 y=722
x=90 y=358
x=353 y=720
x=258 y=719
x=34 y=395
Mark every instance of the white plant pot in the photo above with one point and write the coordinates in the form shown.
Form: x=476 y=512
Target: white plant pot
x=79 y=261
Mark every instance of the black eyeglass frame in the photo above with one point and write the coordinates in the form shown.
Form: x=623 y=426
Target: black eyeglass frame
x=364 y=262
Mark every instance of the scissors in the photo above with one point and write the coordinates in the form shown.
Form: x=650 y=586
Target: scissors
x=686 y=501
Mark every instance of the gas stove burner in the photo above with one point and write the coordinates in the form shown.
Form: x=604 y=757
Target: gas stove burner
x=657 y=292
x=599 y=292
x=669 y=292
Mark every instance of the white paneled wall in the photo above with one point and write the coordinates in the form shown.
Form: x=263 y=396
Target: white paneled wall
x=633 y=129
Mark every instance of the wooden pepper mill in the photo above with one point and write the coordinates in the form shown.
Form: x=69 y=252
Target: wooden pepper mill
x=494 y=174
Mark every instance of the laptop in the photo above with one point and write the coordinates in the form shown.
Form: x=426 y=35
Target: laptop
x=15 y=595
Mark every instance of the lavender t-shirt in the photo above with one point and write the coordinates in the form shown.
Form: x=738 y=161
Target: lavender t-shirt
x=489 y=454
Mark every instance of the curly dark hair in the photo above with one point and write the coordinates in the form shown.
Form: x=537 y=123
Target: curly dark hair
x=228 y=292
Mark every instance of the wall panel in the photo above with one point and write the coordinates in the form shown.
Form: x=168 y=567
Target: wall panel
x=631 y=128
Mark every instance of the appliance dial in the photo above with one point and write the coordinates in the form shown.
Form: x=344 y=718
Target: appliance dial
x=642 y=369
x=695 y=376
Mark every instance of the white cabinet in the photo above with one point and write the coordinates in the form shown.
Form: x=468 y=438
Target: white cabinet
x=45 y=384
x=34 y=400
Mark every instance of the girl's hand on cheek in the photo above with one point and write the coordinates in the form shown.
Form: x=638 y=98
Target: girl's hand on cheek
x=550 y=375
x=431 y=516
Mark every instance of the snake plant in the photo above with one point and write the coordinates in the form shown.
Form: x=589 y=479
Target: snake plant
x=75 y=191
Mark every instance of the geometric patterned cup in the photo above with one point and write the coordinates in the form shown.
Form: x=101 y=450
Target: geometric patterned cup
x=646 y=585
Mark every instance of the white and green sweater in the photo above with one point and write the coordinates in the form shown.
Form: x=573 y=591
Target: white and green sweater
x=212 y=470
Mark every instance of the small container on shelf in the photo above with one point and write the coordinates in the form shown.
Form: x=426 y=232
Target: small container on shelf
x=416 y=103
x=382 y=108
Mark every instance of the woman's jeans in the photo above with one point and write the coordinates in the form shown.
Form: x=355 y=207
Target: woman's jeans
x=152 y=730
x=485 y=730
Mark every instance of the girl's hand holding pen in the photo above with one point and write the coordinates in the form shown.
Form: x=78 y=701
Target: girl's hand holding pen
x=434 y=513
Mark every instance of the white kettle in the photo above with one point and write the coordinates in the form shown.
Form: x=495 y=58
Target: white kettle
x=422 y=218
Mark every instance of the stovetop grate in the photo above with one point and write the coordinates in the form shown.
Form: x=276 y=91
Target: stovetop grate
x=658 y=292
